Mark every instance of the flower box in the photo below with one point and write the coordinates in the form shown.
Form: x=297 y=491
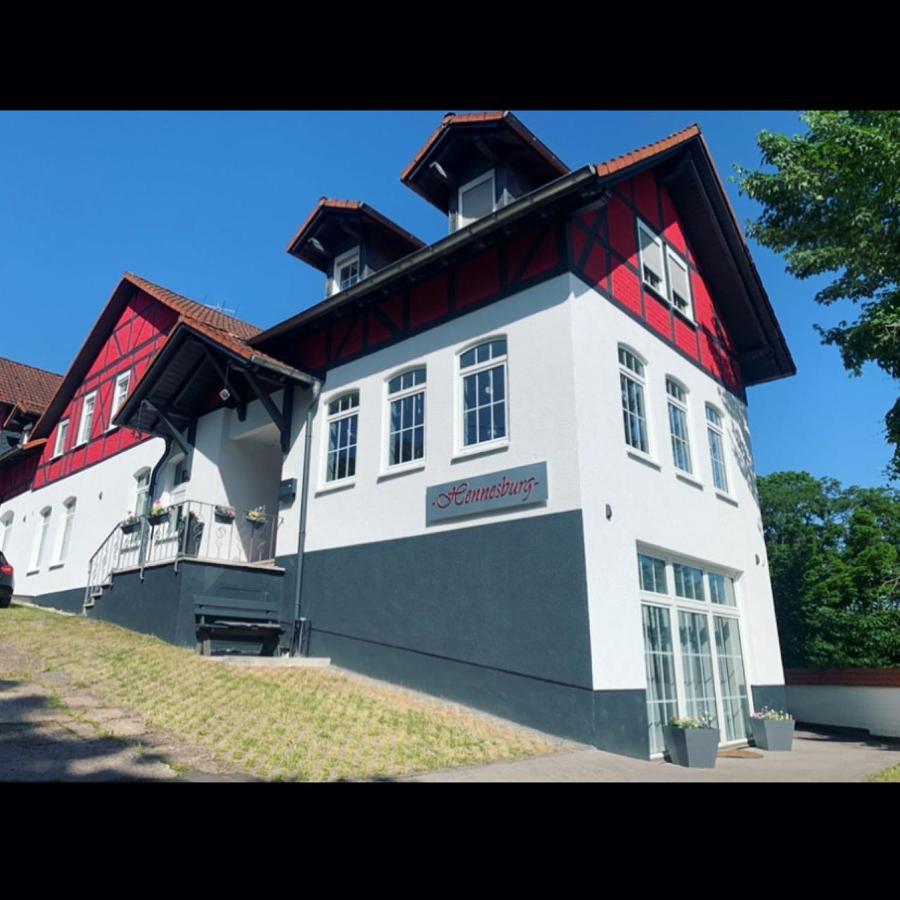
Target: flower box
x=224 y=513
x=157 y=518
x=130 y=527
x=772 y=730
x=693 y=747
x=257 y=517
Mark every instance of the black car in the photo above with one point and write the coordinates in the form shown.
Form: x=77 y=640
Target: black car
x=6 y=582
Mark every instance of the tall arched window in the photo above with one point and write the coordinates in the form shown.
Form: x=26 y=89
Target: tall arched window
x=141 y=492
x=6 y=523
x=715 y=433
x=343 y=418
x=678 y=425
x=406 y=417
x=65 y=531
x=634 y=407
x=485 y=413
x=39 y=547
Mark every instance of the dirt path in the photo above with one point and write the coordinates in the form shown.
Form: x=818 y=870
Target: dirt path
x=52 y=731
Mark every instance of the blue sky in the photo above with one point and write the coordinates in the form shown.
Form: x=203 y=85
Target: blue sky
x=205 y=204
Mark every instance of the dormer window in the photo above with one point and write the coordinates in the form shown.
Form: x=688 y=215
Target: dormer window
x=476 y=199
x=346 y=270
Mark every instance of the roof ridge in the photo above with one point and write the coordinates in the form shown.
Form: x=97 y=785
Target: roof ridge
x=16 y=362
x=639 y=153
x=167 y=296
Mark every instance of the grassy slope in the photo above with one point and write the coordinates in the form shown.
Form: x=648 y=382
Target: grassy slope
x=306 y=724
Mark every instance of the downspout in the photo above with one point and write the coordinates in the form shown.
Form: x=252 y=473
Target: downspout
x=296 y=637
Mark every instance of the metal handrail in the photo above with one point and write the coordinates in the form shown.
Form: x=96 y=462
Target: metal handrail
x=191 y=529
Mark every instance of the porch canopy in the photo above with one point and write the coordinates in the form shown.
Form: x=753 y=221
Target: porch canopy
x=199 y=370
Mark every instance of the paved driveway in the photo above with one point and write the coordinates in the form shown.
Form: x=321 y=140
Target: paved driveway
x=815 y=757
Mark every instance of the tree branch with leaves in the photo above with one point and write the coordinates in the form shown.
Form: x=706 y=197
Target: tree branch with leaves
x=832 y=205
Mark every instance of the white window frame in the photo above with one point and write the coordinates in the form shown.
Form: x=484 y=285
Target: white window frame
x=422 y=388
x=642 y=382
x=39 y=544
x=682 y=406
x=343 y=260
x=62 y=434
x=680 y=261
x=461 y=222
x=82 y=437
x=675 y=604
x=327 y=483
x=663 y=289
x=121 y=378
x=63 y=540
x=718 y=429
x=463 y=449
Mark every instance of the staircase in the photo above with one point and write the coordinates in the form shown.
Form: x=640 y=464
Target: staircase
x=188 y=530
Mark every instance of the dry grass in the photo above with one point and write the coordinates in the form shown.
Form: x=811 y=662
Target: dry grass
x=890 y=774
x=291 y=724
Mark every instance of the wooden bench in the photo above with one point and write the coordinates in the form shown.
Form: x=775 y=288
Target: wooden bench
x=229 y=617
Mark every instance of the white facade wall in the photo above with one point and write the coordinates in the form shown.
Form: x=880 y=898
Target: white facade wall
x=235 y=463
x=876 y=709
x=650 y=504
x=378 y=505
x=105 y=494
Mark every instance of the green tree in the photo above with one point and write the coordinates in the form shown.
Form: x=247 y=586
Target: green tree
x=834 y=561
x=832 y=205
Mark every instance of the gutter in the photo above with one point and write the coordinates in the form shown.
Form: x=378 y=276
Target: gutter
x=514 y=211
x=298 y=629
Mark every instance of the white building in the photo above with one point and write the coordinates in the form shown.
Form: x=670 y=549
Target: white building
x=512 y=468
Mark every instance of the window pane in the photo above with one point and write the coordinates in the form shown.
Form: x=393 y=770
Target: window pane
x=717 y=457
x=467 y=359
x=633 y=411
x=471 y=422
x=653 y=574
x=681 y=453
x=651 y=259
x=688 y=582
x=477 y=201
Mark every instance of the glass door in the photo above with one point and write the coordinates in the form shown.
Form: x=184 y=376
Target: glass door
x=732 y=683
x=662 y=697
x=697 y=667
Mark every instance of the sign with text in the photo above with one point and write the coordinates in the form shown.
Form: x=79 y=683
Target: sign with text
x=521 y=486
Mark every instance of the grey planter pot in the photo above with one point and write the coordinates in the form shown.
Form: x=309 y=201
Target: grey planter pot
x=773 y=734
x=693 y=747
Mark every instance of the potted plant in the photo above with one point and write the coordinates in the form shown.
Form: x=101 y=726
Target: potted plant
x=773 y=729
x=158 y=513
x=692 y=742
x=130 y=524
x=257 y=517
x=225 y=513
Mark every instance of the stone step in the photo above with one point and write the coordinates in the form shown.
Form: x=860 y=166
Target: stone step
x=283 y=662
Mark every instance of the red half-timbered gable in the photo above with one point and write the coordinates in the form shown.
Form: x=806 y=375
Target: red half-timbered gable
x=506 y=268
x=605 y=255
x=137 y=336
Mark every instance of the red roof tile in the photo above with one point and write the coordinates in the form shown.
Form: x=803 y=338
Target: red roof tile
x=27 y=387
x=451 y=119
x=355 y=205
x=193 y=311
x=626 y=160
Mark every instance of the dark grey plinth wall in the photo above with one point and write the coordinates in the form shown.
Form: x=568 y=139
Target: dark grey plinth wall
x=68 y=601
x=494 y=616
x=163 y=603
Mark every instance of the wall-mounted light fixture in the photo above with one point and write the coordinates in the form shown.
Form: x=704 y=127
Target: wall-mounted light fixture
x=608 y=512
